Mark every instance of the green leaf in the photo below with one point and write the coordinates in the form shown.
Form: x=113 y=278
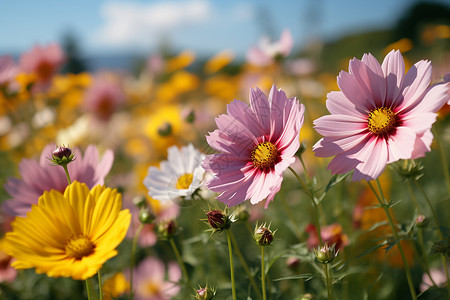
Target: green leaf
x=305 y=276
x=335 y=180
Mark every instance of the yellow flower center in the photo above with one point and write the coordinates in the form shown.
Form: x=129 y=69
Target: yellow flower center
x=381 y=120
x=184 y=181
x=79 y=246
x=265 y=155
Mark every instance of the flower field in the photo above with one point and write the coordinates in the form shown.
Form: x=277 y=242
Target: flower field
x=284 y=175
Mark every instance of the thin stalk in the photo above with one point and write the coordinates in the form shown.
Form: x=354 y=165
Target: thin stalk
x=316 y=210
x=244 y=264
x=442 y=153
x=100 y=283
x=413 y=197
x=67 y=174
x=326 y=270
x=263 y=274
x=382 y=200
x=230 y=252
x=133 y=254
x=88 y=289
x=180 y=260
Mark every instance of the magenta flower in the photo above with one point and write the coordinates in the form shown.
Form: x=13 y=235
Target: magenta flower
x=40 y=176
x=43 y=61
x=380 y=115
x=256 y=145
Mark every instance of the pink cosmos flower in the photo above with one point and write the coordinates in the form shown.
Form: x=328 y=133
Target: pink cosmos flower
x=150 y=281
x=43 y=61
x=256 y=145
x=380 y=115
x=103 y=98
x=40 y=176
x=266 y=53
x=438 y=276
x=7 y=272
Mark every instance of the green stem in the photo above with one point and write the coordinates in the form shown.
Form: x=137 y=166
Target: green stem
x=263 y=274
x=244 y=264
x=291 y=217
x=67 y=174
x=413 y=197
x=180 y=260
x=326 y=269
x=90 y=289
x=100 y=283
x=133 y=254
x=230 y=252
x=311 y=196
x=442 y=153
x=424 y=257
x=382 y=201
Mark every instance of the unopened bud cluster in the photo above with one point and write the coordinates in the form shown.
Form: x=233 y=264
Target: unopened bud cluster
x=205 y=293
x=218 y=220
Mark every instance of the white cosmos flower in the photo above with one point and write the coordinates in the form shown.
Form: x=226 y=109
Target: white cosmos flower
x=179 y=176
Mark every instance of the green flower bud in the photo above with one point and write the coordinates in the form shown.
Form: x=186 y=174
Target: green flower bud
x=263 y=236
x=218 y=220
x=62 y=156
x=167 y=229
x=205 y=293
x=326 y=254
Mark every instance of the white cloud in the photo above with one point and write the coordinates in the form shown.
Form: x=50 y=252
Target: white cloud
x=131 y=24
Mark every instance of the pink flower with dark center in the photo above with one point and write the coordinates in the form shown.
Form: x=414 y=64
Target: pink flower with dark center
x=331 y=234
x=43 y=61
x=103 y=98
x=40 y=176
x=256 y=145
x=380 y=115
x=266 y=53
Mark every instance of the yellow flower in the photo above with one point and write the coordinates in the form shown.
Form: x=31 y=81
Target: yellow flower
x=115 y=286
x=219 y=61
x=180 y=61
x=70 y=234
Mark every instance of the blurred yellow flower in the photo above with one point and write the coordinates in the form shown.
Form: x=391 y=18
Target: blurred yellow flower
x=180 y=61
x=163 y=123
x=218 y=61
x=180 y=82
x=432 y=32
x=115 y=286
x=222 y=86
x=70 y=234
x=404 y=45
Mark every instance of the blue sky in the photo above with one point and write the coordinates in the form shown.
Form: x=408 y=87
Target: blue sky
x=206 y=26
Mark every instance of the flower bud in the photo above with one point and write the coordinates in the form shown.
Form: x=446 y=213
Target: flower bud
x=146 y=216
x=408 y=169
x=422 y=221
x=326 y=254
x=263 y=236
x=62 y=156
x=218 y=220
x=165 y=129
x=307 y=296
x=167 y=229
x=205 y=293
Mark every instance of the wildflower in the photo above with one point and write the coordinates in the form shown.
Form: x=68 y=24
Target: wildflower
x=70 y=234
x=219 y=220
x=41 y=176
x=268 y=52
x=326 y=254
x=263 y=236
x=219 y=61
x=115 y=286
x=180 y=176
x=379 y=116
x=150 y=280
x=103 y=98
x=256 y=145
x=43 y=61
x=331 y=234
x=422 y=221
x=438 y=276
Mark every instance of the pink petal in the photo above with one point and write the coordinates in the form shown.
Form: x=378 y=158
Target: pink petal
x=339 y=125
x=435 y=97
x=400 y=145
x=394 y=70
x=422 y=144
x=261 y=108
x=354 y=92
x=419 y=122
x=242 y=112
x=373 y=158
x=372 y=83
x=416 y=82
x=338 y=104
